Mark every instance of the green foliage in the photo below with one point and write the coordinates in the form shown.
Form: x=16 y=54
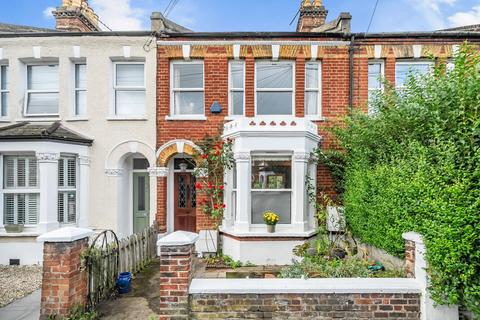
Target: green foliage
x=222 y=259
x=77 y=313
x=415 y=165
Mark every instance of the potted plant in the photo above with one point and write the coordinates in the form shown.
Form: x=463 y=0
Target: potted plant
x=13 y=228
x=271 y=219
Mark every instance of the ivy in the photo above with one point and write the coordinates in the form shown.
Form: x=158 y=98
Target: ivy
x=415 y=166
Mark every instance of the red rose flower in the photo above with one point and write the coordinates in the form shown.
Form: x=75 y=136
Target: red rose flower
x=198 y=186
x=204 y=156
x=221 y=187
x=210 y=185
x=223 y=205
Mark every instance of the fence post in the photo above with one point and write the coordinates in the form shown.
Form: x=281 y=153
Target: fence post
x=176 y=253
x=416 y=268
x=64 y=283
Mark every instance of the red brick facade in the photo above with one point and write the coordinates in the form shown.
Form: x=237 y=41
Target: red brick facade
x=335 y=84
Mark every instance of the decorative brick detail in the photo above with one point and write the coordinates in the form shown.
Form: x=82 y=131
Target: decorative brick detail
x=64 y=283
x=161 y=216
x=410 y=258
x=306 y=306
x=176 y=264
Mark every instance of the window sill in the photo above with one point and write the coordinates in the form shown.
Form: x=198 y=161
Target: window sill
x=5 y=120
x=73 y=119
x=259 y=232
x=315 y=118
x=139 y=118
x=186 y=118
x=230 y=118
x=19 y=234
x=37 y=119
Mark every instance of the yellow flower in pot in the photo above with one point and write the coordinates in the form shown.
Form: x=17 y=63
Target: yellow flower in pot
x=271 y=219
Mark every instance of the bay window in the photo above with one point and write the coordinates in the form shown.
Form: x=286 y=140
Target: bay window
x=187 y=89
x=312 y=89
x=4 y=90
x=42 y=90
x=274 y=88
x=20 y=190
x=67 y=194
x=80 y=90
x=404 y=68
x=271 y=187
x=129 y=87
x=236 y=88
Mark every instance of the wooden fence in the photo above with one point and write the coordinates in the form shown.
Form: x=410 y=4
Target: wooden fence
x=107 y=257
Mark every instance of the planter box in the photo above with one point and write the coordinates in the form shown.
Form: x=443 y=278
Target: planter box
x=13 y=228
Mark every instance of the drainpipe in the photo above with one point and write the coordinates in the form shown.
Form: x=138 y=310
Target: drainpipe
x=351 y=50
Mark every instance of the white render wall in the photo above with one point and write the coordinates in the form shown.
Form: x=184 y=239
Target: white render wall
x=114 y=139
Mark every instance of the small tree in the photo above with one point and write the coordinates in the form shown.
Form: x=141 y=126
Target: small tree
x=415 y=165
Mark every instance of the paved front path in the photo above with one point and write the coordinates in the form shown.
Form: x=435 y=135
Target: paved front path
x=26 y=308
x=141 y=303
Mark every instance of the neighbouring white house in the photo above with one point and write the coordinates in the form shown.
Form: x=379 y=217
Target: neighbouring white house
x=77 y=130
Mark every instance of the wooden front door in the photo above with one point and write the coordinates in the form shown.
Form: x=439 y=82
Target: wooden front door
x=185 y=202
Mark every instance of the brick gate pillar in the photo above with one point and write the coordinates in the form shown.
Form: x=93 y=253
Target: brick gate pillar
x=176 y=253
x=64 y=283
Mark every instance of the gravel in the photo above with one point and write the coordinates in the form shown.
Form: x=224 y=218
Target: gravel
x=18 y=281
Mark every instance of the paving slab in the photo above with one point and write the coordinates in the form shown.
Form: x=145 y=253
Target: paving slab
x=26 y=308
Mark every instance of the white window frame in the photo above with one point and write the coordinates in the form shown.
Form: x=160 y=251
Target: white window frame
x=280 y=155
x=128 y=88
x=27 y=190
x=78 y=89
x=174 y=116
x=232 y=89
x=411 y=62
x=64 y=190
x=27 y=91
x=4 y=91
x=319 y=90
x=382 y=87
x=292 y=63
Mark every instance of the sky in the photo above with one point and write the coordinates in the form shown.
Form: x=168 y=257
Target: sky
x=256 y=15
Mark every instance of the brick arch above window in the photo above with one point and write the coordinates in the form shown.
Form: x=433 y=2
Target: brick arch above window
x=173 y=147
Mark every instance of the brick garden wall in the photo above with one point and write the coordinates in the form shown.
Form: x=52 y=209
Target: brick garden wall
x=308 y=306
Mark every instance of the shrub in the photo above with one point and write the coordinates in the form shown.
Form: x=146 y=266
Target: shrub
x=415 y=165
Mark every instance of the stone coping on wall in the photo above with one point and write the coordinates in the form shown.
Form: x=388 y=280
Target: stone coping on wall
x=304 y=286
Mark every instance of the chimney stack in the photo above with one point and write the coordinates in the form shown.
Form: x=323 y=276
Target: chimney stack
x=311 y=15
x=76 y=16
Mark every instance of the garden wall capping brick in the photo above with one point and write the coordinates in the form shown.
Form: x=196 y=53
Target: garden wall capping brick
x=303 y=286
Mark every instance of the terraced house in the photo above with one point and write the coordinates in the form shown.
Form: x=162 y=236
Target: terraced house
x=99 y=128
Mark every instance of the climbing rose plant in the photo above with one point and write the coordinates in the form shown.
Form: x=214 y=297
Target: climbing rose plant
x=215 y=159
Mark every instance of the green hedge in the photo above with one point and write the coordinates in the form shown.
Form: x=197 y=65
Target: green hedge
x=415 y=166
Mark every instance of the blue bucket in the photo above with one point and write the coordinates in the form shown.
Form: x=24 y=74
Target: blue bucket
x=124 y=282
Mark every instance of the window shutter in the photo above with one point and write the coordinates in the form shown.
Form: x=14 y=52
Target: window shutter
x=71 y=172
x=61 y=206
x=61 y=172
x=9 y=209
x=71 y=207
x=21 y=172
x=9 y=176
x=32 y=215
x=21 y=208
x=32 y=172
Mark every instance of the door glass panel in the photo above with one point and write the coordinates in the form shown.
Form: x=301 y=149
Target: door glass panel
x=141 y=193
x=193 y=193
x=182 y=192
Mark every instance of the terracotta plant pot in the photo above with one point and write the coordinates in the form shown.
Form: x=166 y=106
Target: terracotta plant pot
x=271 y=228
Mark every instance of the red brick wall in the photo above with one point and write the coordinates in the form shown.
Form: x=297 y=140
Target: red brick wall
x=64 y=283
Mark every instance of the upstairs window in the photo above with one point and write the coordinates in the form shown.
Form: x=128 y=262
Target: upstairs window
x=129 y=87
x=42 y=90
x=312 y=89
x=67 y=190
x=20 y=190
x=274 y=88
x=187 y=95
x=80 y=90
x=237 y=88
x=271 y=187
x=405 y=68
x=4 y=90
x=375 y=85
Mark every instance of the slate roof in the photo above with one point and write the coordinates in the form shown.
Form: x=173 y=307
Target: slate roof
x=168 y=26
x=469 y=28
x=15 y=28
x=27 y=131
